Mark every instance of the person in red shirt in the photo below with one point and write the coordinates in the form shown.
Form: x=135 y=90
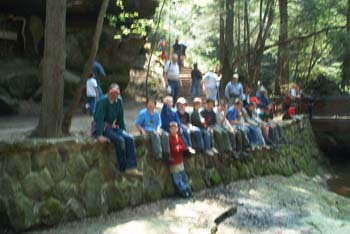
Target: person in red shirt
x=177 y=169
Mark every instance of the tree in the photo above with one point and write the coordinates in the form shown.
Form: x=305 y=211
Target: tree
x=54 y=63
x=282 y=60
x=67 y=120
x=346 y=61
x=227 y=68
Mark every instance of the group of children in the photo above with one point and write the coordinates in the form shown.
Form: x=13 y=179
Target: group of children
x=228 y=130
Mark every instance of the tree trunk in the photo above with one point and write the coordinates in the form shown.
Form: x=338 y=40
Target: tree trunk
x=153 y=45
x=227 y=68
x=247 y=38
x=260 y=43
x=67 y=120
x=238 y=26
x=346 y=61
x=54 y=63
x=222 y=32
x=282 y=60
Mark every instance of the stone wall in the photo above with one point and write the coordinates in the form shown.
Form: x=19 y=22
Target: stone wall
x=48 y=182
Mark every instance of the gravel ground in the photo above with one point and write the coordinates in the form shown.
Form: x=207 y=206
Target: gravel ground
x=267 y=205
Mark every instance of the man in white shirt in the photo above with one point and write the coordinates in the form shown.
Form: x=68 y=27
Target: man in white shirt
x=211 y=81
x=92 y=92
x=172 y=76
x=233 y=90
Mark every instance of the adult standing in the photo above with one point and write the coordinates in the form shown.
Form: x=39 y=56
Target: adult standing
x=210 y=83
x=233 y=90
x=99 y=71
x=172 y=76
x=196 y=77
x=110 y=127
x=177 y=49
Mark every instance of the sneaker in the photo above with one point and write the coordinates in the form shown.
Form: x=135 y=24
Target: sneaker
x=267 y=147
x=214 y=150
x=191 y=150
x=134 y=172
x=208 y=153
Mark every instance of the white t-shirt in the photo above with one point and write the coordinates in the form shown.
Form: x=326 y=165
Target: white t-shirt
x=91 y=85
x=172 y=70
x=211 y=80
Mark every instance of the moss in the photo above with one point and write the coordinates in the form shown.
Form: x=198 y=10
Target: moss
x=196 y=181
x=141 y=151
x=153 y=190
x=243 y=171
x=215 y=177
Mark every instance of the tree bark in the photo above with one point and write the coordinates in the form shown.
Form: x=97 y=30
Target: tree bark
x=282 y=60
x=153 y=45
x=346 y=61
x=222 y=33
x=254 y=72
x=54 y=64
x=227 y=68
x=247 y=38
x=67 y=120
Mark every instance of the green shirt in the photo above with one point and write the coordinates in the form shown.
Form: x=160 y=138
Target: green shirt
x=107 y=112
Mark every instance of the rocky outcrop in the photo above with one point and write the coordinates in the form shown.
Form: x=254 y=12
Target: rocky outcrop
x=48 y=182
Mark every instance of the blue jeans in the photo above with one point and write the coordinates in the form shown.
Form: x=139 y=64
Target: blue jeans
x=174 y=89
x=199 y=139
x=180 y=181
x=124 y=148
x=208 y=139
x=195 y=88
x=186 y=136
x=92 y=102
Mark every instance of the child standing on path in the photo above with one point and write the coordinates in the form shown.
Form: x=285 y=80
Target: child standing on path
x=177 y=169
x=92 y=92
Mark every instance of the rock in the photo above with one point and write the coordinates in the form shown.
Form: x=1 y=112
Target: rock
x=74 y=210
x=76 y=168
x=51 y=211
x=215 y=177
x=38 y=185
x=21 y=212
x=19 y=165
x=153 y=190
x=65 y=190
x=20 y=77
x=4 y=219
x=9 y=187
x=91 y=152
x=196 y=181
x=243 y=171
x=91 y=192
x=8 y=105
x=114 y=197
x=50 y=158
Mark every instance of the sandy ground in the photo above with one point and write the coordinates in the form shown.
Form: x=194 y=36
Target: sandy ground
x=268 y=205
x=18 y=127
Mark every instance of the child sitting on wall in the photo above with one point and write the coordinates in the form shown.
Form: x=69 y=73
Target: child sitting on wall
x=177 y=170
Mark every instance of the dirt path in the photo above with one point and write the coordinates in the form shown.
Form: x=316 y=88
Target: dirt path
x=19 y=127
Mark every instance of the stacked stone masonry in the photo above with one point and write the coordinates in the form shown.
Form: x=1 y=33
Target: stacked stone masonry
x=49 y=182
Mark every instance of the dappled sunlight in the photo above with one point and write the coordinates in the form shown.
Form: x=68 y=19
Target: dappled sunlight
x=299 y=189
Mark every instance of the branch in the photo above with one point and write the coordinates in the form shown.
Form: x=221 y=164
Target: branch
x=303 y=37
x=67 y=119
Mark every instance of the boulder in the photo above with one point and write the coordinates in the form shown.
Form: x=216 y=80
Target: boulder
x=21 y=212
x=38 y=185
x=51 y=212
x=65 y=190
x=91 y=192
x=19 y=164
x=114 y=197
x=8 y=105
x=74 y=210
x=76 y=168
